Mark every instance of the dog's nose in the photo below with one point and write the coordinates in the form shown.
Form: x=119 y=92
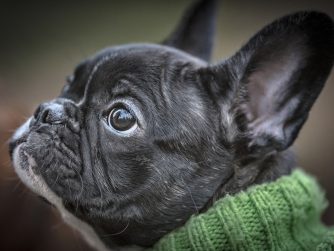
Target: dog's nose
x=50 y=113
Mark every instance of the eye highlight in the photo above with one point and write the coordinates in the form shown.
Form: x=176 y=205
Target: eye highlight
x=122 y=119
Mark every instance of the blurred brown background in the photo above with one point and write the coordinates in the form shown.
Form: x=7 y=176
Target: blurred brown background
x=40 y=44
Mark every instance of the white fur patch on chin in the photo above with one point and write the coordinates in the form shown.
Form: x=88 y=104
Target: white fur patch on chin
x=38 y=185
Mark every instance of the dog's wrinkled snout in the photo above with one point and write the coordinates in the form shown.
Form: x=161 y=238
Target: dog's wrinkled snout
x=50 y=113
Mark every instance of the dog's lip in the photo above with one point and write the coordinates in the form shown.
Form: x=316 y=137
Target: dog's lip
x=19 y=136
x=13 y=144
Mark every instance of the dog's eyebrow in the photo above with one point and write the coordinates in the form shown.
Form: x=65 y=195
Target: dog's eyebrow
x=125 y=88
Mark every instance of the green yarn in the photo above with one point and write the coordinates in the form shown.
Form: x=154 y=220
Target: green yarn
x=282 y=215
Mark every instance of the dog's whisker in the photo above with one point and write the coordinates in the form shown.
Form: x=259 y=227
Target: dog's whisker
x=82 y=184
x=11 y=179
x=118 y=233
x=69 y=188
x=56 y=179
x=18 y=184
x=57 y=225
x=191 y=197
x=101 y=194
x=24 y=192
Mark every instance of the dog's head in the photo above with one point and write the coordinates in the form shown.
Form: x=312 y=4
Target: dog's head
x=144 y=135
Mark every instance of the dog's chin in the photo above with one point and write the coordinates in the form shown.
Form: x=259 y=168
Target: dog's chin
x=24 y=165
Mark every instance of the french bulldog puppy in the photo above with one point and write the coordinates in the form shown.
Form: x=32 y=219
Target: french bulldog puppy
x=145 y=135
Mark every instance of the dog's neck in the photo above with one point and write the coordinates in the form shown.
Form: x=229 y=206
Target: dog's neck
x=263 y=170
x=252 y=172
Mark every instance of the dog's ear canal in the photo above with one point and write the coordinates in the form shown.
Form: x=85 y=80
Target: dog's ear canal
x=195 y=33
x=274 y=79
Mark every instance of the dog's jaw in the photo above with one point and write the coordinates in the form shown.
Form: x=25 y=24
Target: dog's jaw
x=23 y=164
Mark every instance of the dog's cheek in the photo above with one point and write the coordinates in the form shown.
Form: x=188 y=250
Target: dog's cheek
x=128 y=171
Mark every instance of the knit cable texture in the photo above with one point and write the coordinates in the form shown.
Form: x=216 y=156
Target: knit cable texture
x=282 y=215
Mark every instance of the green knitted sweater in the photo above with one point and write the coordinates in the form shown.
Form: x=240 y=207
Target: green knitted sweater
x=282 y=215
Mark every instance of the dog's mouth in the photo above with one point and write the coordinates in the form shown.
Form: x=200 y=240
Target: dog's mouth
x=24 y=165
x=45 y=163
x=15 y=144
x=51 y=152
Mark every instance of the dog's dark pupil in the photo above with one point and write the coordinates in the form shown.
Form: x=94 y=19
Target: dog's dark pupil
x=121 y=119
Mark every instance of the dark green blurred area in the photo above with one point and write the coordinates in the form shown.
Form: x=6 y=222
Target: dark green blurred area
x=41 y=43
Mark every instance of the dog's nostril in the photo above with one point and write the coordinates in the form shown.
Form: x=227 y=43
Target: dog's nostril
x=45 y=118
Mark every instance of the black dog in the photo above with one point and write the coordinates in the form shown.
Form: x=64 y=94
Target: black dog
x=143 y=135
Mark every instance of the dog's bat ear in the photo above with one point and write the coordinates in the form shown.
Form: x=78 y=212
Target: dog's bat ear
x=274 y=79
x=195 y=32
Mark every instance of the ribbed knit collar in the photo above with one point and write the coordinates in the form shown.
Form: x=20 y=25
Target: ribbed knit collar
x=282 y=215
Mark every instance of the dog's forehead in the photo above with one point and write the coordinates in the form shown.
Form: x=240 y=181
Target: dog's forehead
x=135 y=63
x=147 y=52
x=143 y=59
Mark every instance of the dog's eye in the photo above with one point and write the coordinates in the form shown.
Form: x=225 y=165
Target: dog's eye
x=121 y=119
